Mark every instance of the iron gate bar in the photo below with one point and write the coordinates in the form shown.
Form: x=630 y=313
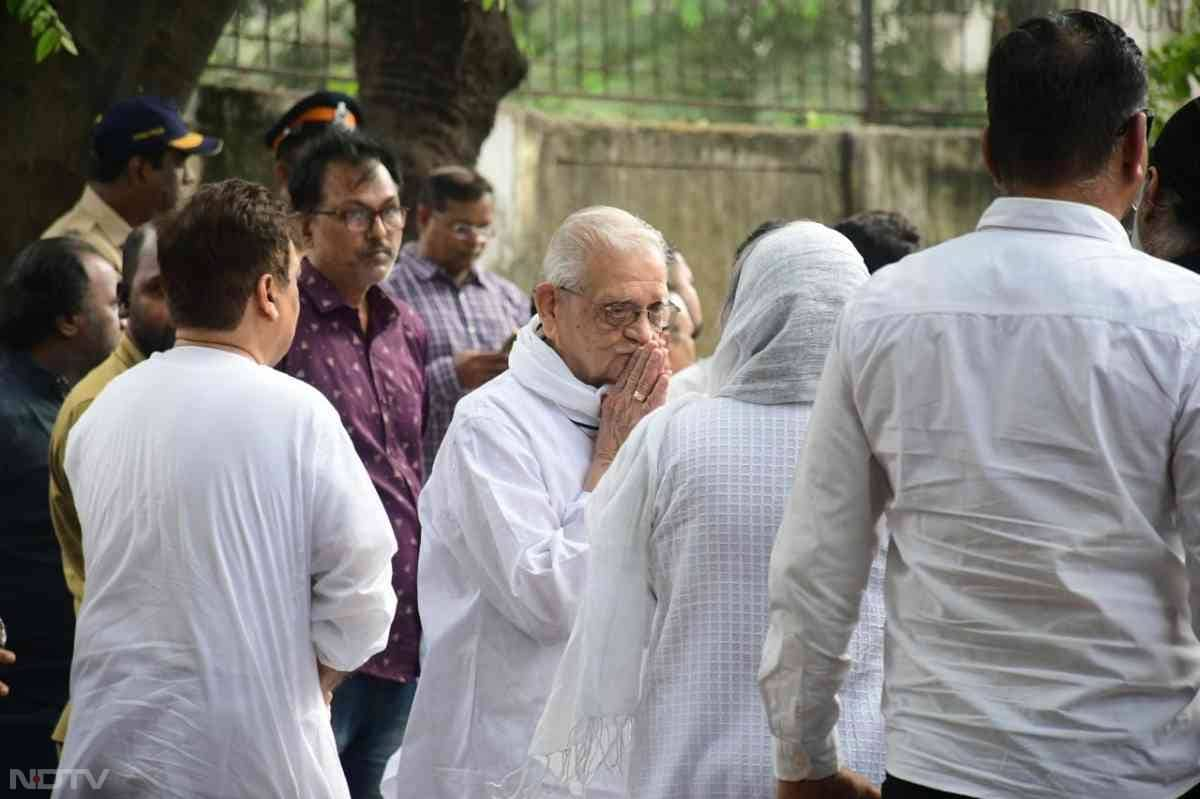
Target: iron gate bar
x=739 y=58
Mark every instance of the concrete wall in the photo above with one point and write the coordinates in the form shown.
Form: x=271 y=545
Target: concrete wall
x=705 y=187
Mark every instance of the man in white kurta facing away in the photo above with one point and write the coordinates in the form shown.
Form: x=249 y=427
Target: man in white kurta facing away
x=503 y=550
x=238 y=556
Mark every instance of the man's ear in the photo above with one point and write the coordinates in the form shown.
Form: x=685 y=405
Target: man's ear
x=424 y=214
x=306 y=230
x=69 y=326
x=1151 y=193
x=546 y=299
x=1133 y=150
x=266 y=296
x=985 y=145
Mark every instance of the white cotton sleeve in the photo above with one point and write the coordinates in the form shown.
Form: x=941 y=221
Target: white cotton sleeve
x=1185 y=473
x=527 y=557
x=819 y=570
x=352 y=543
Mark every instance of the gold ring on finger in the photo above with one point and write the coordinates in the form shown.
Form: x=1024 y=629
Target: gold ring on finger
x=639 y=396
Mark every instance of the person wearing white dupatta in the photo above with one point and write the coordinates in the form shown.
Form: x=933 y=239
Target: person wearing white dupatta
x=503 y=552
x=658 y=680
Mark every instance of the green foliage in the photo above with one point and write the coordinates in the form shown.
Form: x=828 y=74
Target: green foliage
x=46 y=27
x=1174 y=67
x=1176 y=64
x=782 y=62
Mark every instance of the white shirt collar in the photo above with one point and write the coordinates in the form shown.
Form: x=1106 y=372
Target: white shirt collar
x=1055 y=216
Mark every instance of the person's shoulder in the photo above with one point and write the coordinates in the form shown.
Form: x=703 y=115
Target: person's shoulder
x=288 y=388
x=500 y=400
x=73 y=407
x=409 y=328
x=502 y=284
x=95 y=381
x=409 y=315
x=73 y=220
x=399 y=282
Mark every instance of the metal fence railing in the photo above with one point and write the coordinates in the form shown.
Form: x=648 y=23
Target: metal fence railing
x=289 y=44
x=765 y=61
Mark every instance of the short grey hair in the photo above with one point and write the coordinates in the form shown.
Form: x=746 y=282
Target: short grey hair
x=600 y=228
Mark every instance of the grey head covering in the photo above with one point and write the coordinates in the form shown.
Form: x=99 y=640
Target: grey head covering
x=790 y=288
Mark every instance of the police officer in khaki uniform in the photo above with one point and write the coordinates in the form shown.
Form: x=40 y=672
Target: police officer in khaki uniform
x=138 y=170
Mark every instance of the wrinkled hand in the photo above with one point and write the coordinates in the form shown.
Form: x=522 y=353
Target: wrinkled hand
x=7 y=658
x=641 y=388
x=474 y=367
x=845 y=784
x=330 y=679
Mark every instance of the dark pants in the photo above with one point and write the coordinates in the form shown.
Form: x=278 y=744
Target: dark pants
x=894 y=788
x=369 y=717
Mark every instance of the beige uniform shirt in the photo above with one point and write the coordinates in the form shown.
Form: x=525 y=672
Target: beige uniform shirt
x=94 y=221
x=62 y=504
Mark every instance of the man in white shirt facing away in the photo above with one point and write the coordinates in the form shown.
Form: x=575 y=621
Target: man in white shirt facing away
x=238 y=557
x=1022 y=403
x=503 y=550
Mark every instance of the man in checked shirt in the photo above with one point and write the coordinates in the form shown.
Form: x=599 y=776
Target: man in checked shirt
x=470 y=313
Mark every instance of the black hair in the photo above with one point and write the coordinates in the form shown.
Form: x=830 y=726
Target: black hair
x=457 y=184
x=334 y=145
x=1060 y=91
x=290 y=148
x=763 y=229
x=881 y=237
x=45 y=282
x=107 y=170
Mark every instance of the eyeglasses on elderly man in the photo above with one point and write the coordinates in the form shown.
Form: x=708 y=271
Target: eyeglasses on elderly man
x=623 y=314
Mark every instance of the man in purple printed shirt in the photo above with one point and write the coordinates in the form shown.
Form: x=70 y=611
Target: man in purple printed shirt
x=366 y=353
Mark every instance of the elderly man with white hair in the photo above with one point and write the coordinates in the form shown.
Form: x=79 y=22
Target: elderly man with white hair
x=504 y=553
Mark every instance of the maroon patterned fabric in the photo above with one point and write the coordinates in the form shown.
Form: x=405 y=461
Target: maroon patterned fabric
x=377 y=384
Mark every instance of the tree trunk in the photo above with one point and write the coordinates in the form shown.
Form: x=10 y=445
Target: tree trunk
x=139 y=46
x=431 y=75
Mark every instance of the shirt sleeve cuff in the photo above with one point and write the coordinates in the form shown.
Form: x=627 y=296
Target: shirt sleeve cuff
x=794 y=764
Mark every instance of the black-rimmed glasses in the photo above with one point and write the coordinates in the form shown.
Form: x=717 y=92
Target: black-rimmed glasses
x=359 y=218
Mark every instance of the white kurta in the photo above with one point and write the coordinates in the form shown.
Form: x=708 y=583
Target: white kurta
x=503 y=559
x=232 y=537
x=1023 y=402
x=725 y=471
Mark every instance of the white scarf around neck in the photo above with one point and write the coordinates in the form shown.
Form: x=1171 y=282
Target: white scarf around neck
x=536 y=365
